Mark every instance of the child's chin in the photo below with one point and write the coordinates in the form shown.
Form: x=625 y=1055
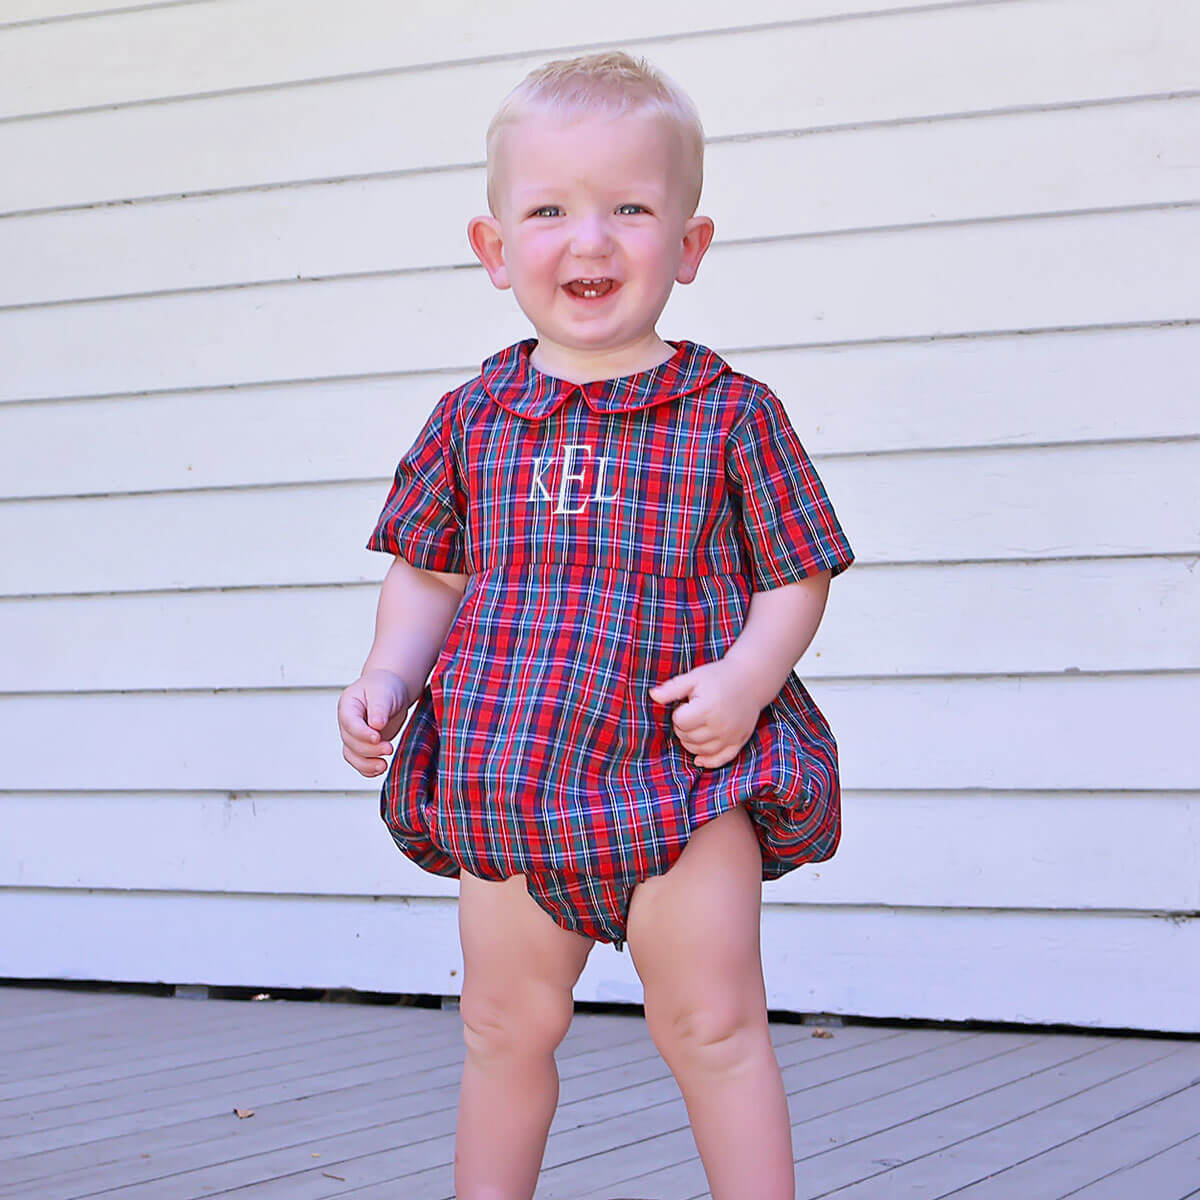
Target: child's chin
x=598 y=344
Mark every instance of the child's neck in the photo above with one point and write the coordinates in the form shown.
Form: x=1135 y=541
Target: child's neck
x=580 y=366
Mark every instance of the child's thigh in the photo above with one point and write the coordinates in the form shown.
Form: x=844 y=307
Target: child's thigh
x=516 y=958
x=694 y=932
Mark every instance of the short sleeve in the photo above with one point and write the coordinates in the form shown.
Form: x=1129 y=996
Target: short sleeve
x=789 y=529
x=424 y=516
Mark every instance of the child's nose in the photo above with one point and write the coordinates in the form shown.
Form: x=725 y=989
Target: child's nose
x=590 y=237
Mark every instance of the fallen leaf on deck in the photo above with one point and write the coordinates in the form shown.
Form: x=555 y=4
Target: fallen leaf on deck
x=243 y=1113
x=339 y=1178
x=821 y=1031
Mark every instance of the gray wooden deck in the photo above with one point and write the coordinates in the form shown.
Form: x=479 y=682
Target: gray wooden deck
x=133 y=1096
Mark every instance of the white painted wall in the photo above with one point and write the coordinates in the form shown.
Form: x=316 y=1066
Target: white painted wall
x=962 y=241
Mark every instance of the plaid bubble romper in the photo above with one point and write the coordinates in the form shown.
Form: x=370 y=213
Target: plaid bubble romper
x=613 y=533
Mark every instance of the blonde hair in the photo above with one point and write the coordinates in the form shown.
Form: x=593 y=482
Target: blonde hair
x=611 y=82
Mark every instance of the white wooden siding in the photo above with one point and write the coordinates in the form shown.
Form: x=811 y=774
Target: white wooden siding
x=1042 y=162
x=919 y=395
x=953 y=505
x=229 y=842
x=1099 y=615
x=1091 y=732
x=962 y=243
x=884 y=962
x=1112 y=268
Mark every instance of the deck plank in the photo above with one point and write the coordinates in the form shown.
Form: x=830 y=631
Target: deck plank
x=194 y=1149
x=1070 y=1104
x=1077 y=1159
x=837 y=1146
x=206 y=1042
x=1163 y=1174
x=99 y=1044
x=111 y=1093
x=157 y=1090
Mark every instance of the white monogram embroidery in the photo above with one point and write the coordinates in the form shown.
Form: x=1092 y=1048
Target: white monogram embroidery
x=567 y=477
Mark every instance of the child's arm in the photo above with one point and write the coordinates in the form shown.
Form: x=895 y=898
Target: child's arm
x=415 y=611
x=723 y=699
x=780 y=624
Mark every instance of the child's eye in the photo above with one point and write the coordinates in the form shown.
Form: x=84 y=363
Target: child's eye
x=547 y=210
x=630 y=209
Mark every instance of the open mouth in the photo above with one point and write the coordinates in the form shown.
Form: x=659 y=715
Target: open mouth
x=589 y=289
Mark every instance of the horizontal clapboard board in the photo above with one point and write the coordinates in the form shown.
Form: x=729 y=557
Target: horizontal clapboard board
x=1104 y=969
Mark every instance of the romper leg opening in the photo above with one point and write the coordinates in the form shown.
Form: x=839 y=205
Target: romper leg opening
x=597 y=908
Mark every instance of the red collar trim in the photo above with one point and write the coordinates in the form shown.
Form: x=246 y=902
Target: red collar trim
x=520 y=388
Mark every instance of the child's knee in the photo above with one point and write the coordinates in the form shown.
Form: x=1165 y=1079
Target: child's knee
x=717 y=1031
x=512 y=1020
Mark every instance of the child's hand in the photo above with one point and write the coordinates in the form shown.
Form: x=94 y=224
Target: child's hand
x=370 y=713
x=718 y=717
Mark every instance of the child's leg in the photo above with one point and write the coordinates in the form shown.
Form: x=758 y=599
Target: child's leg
x=518 y=971
x=694 y=938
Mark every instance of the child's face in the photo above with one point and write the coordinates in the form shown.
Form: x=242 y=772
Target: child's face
x=591 y=231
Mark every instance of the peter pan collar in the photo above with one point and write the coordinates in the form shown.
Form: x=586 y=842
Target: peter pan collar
x=520 y=388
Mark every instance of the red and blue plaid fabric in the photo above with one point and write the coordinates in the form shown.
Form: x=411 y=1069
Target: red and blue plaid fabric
x=613 y=533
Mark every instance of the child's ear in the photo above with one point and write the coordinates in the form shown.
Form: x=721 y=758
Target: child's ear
x=697 y=236
x=484 y=235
